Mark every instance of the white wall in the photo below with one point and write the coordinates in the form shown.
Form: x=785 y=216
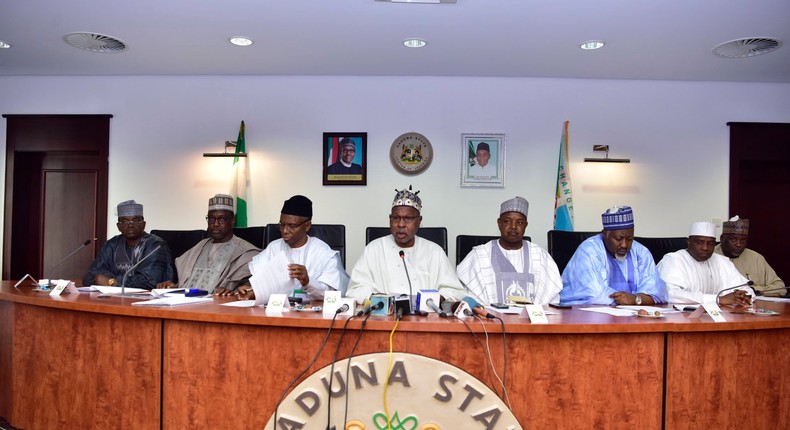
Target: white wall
x=674 y=132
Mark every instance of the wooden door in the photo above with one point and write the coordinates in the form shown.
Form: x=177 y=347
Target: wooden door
x=56 y=194
x=760 y=187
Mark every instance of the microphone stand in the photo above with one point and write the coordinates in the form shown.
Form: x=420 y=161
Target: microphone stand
x=745 y=284
x=84 y=244
x=123 y=283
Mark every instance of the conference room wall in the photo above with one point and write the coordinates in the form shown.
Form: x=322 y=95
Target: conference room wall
x=674 y=132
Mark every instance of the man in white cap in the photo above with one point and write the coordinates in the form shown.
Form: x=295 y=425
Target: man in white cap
x=697 y=275
x=510 y=265
x=612 y=268
x=313 y=266
x=751 y=264
x=345 y=161
x=123 y=251
x=219 y=263
x=382 y=267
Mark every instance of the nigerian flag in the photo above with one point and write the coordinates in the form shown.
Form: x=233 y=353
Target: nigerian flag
x=238 y=188
x=563 y=197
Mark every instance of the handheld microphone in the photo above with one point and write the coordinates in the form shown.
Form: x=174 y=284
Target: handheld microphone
x=84 y=244
x=342 y=309
x=411 y=294
x=745 y=284
x=123 y=283
x=435 y=308
x=478 y=309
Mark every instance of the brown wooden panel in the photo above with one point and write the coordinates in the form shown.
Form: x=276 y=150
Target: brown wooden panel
x=728 y=380
x=560 y=381
x=81 y=370
x=6 y=369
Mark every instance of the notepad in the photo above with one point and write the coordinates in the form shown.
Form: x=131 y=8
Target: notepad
x=173 y=301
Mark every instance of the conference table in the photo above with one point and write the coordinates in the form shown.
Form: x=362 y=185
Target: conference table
x=79 y=361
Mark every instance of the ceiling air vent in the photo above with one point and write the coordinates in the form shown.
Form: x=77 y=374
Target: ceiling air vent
x=95 y=42
x=747 y=47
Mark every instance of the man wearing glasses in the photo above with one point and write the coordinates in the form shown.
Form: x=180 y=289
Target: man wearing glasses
x=313 y=266
x=384 y=262
x=510 y=265
x=123 y=251
x=220 y=263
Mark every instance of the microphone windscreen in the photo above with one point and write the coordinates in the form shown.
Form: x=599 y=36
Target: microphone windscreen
x=87 y=242
x=401 y=253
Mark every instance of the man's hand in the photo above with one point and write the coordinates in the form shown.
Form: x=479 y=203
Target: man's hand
x=223 y=292
x=623 y=298
x=102 y=280
x=245 y=292
x=166 y=284
x=736 y=298
x=297 y=271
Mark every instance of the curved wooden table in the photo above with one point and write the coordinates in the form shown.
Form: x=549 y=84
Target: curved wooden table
x=80 y=362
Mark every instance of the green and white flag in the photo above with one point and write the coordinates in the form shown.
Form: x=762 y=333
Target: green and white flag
x=238 y=188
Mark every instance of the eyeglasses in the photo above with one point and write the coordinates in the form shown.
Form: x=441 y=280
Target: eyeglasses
x=405 y=219
x=222 y=220
x=131 y=223
x=292 y=226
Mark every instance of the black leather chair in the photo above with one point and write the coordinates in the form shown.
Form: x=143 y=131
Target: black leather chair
x=437 y=235
x=333 y=235
x=660 y=246
x=253 y=235
x=180 y=241
x=464 y=244
x=562 y=245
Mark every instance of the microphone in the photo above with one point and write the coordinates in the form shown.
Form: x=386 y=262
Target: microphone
x=403 y=257
x=342 y=309
x=757 y=292
x=435 y=308
x=370 y=308
x=84 y=244
x=478 y=309
x=123 y=283
x=745 y=284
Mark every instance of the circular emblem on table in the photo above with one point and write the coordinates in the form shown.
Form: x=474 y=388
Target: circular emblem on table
x=411 y=153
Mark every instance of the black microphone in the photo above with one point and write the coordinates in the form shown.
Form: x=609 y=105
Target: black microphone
x=745 y=284
x=370 y=308
x=435 y=308
x=403 y=257
x=123 y=283
x=758 y=292
x=478 y=309
x=84 y=244
x=342 y=309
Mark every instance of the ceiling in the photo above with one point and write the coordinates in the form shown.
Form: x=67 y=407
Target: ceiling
x=645 y=39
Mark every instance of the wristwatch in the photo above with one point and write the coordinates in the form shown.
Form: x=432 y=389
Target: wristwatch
x=637 y=299
x=111 y=282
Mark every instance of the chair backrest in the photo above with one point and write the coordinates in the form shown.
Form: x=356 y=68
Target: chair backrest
x=437 y=235
x=465 y=242
x=660 y=246
x=253 y=235
x=562 y=245
x=180 y=241
x=333 y=235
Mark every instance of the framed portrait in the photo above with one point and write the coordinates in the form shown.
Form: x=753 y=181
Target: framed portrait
x=483 y=160
x=345 y=158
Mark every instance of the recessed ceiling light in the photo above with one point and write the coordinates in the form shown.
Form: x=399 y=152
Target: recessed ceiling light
x=240 y=41
x=592 y=44
x=4 y=44
x=414 y=43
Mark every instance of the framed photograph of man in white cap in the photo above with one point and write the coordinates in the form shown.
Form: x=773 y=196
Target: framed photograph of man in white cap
x=483 y=160
x=345 y=158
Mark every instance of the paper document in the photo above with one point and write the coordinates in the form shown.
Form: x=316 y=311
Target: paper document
x=166 y=291
x=611 y=311
x=117 y=290
x=174 y=301
x=240 y=304
x=772 y=299
x=650 y=309
x=272 y=278
x=511 y=310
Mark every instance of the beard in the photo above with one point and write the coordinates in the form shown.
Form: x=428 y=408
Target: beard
x=620 y=259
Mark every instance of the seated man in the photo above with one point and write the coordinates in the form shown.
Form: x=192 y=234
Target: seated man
x=697 y=275
x=511 y=266
x=219 y=263
x=751 y=264
x=382 y=267
x=314 y=268
x=612 y=268
x=123 y=251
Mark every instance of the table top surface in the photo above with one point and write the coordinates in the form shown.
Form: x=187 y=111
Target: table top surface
x=569 y=321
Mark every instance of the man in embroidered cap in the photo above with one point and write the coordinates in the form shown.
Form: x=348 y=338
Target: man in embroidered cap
x=510 y=265
x=219 y=263
x=482 y=167
x=123 y=251
x=345 y=161
x=697 y=274
x=612 y=268
x=382 y=267
x=751 y=264
x=312 y=266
